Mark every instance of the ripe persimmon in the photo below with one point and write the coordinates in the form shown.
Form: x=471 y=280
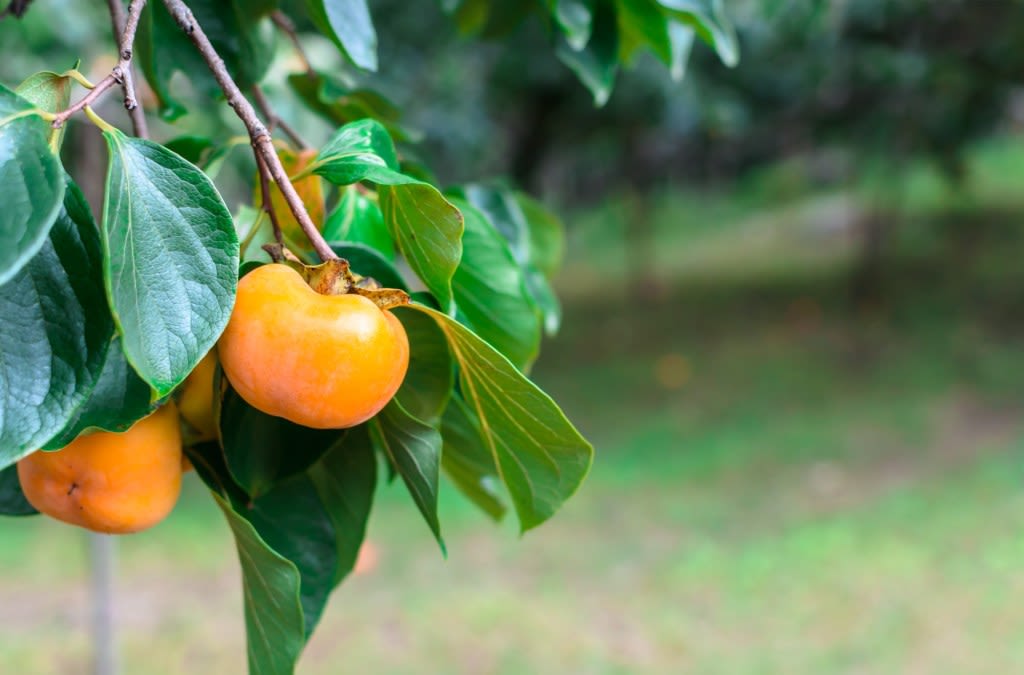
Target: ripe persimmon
x=322 y=361
x=195 y=399
x=110 y=482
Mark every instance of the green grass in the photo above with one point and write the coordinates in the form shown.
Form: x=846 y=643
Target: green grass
x=786 y=482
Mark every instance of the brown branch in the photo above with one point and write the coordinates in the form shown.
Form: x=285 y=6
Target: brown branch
x=268 y=204
x=282 y=21
x=260 y=137
x=121 y=30
x=273 y=120
x=121 y=74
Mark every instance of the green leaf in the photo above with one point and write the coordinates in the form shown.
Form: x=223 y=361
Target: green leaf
x=47 y=91
x=596 y=64
x=367 y=262
x=708 y=18
x=171 y=259
x=536 y=239
x=12 y=499
x=273 y=612
x=358 y=219
x=292 y=521
x=490 y=291
x=414 y=448
x=541 y=457
x=238 y=33
x=54 y=334
x=32 y=180
x=348 y=23
x=428 y=382
x=345 y=479
x=643 y=24
x=467 y=461
x=681 y=38
x=191 y=148
x=119 y=400
x=426 y=226
x=574 y=16
x=340 y=104
x=261 y=450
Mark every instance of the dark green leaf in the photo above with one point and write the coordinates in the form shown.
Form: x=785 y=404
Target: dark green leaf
x=348 y=23
x=291 y=519
x=490 y=291
x=643 y=24
x=545 y=234
x=54 y=333
x=414 y=448
x=261 y=450
x=367 y=262
x=358 y=219
x=431 y=375
x=119 y=400
x=345 y=479
x=171 y=259
x=191 y=148
x=340 y=104
x=32 y=180
x=273 y=610
x=541 y=457
x=12 y=499
x=596 y=63
x=467 y=460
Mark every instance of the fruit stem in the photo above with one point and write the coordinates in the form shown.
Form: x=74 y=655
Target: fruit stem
x=262 y=143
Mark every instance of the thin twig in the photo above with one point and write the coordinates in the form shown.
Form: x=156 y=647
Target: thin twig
x=119 y=22
x=282 y=21
x=121 y=74
x=268 y=204
x=273 y=120
x=261 y=140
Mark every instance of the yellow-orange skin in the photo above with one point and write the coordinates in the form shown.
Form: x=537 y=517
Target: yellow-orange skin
x=195 y=400
x=322 y=361
x=108 y=482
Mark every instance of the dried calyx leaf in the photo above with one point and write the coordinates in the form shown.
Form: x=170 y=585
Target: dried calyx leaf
x=335 y=277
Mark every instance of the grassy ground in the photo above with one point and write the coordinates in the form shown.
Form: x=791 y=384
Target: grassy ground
x=787 y=482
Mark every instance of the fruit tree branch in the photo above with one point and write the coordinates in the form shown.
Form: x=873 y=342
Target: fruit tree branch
x=125 y=42
x=268 y=204
x=121 y=74
x=262 y=144
x=282 y=21
x=273 y=120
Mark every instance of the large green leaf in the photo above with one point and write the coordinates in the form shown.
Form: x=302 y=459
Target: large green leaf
x=597 y=63
x=490 y=291
x=348 y=23
x=32 y=180
x=428 y=382
x=535 y=237
x=467 y=460
x=541 y=457
x=358 y=219
x=119 y=400
x=12 y=499
x=426 y=226
x=235 y=27
x=54 y=333
x=345 y=479
x=262 y=450
x=273 y=611
x=292 y=520
x=171 y=259
x=414 y=448
x=47 y=91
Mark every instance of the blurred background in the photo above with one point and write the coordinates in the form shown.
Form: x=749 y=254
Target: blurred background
x=794 y=329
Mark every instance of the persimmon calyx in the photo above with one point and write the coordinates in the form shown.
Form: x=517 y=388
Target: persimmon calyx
x=335 y=277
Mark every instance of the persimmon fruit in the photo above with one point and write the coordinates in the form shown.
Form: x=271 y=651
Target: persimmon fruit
x=321 y=361
x=115 y=483
x=195 y=399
